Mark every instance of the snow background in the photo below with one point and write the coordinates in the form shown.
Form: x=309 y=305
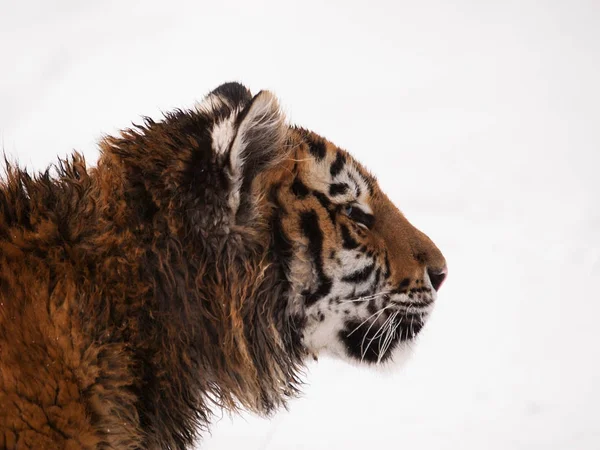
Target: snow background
x=482 y=122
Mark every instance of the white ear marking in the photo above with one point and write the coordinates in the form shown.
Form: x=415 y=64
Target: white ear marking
x=262 y=122
x=260 y=135
x=211 y=103
x=223 y=133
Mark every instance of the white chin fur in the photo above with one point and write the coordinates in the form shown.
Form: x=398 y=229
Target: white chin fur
x=321 y=339
x=401 y=355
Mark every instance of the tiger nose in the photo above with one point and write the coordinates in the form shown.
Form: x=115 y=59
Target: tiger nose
x=437 y=276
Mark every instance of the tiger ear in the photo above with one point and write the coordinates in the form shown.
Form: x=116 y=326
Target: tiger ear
x=224 y=100
x=258 y=142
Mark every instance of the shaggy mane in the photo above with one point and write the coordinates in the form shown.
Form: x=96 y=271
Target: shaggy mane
x=131 y=275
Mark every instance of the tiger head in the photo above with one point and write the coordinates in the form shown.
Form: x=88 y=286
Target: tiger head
x=362 y=276
x=361 y=280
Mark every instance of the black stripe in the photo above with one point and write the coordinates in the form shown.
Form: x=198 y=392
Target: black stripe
x=338 y=189
x=338 y=164
x=317 y=148
x=323 y=199
x=348 y=242
x=299 y=188
x=360 y=275
x=274 y=196
x=371 y=186
x=281 y=246
x=402 y=287
x=309 y=222
x=377 y=277
x=388 y=270
x=368 y=181
x=325 y=203
x=420 y=290
x=358 y=215
x=358 y=191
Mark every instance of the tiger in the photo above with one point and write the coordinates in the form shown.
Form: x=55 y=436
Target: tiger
x=198 y=266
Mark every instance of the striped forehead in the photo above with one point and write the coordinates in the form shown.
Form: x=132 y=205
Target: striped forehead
x=335 y=172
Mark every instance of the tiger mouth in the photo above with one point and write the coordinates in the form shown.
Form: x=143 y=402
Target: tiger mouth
x=374 y=340
x=421 y=306
x=422 y=303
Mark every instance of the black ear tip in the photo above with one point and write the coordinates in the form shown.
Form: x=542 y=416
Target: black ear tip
x=235 y=92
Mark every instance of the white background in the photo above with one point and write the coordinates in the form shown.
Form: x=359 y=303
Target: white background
x=482 y=122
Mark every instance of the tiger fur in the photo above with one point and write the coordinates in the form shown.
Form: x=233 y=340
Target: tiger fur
x=195 y=267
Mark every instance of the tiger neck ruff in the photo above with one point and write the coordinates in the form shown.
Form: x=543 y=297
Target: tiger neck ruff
x=196 y=267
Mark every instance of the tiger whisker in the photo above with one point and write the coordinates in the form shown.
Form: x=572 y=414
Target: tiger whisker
x=369 y=329
x=361 y=299
x=383 y=330
x=364 y=298
x=364 y=352
x=364 y=321
x=396 y=327
x=389 y=338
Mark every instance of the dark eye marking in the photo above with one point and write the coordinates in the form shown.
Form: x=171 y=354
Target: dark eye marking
x=338 y=164
x=338 y=189
x=360 y=275
x=359 y=216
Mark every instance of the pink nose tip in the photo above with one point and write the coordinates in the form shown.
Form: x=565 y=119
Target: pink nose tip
x=437 y=276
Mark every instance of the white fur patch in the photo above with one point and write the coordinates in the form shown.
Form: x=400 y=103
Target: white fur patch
x=211 y=103
x=262 y=124
x=222 y=134
x=327 y=318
